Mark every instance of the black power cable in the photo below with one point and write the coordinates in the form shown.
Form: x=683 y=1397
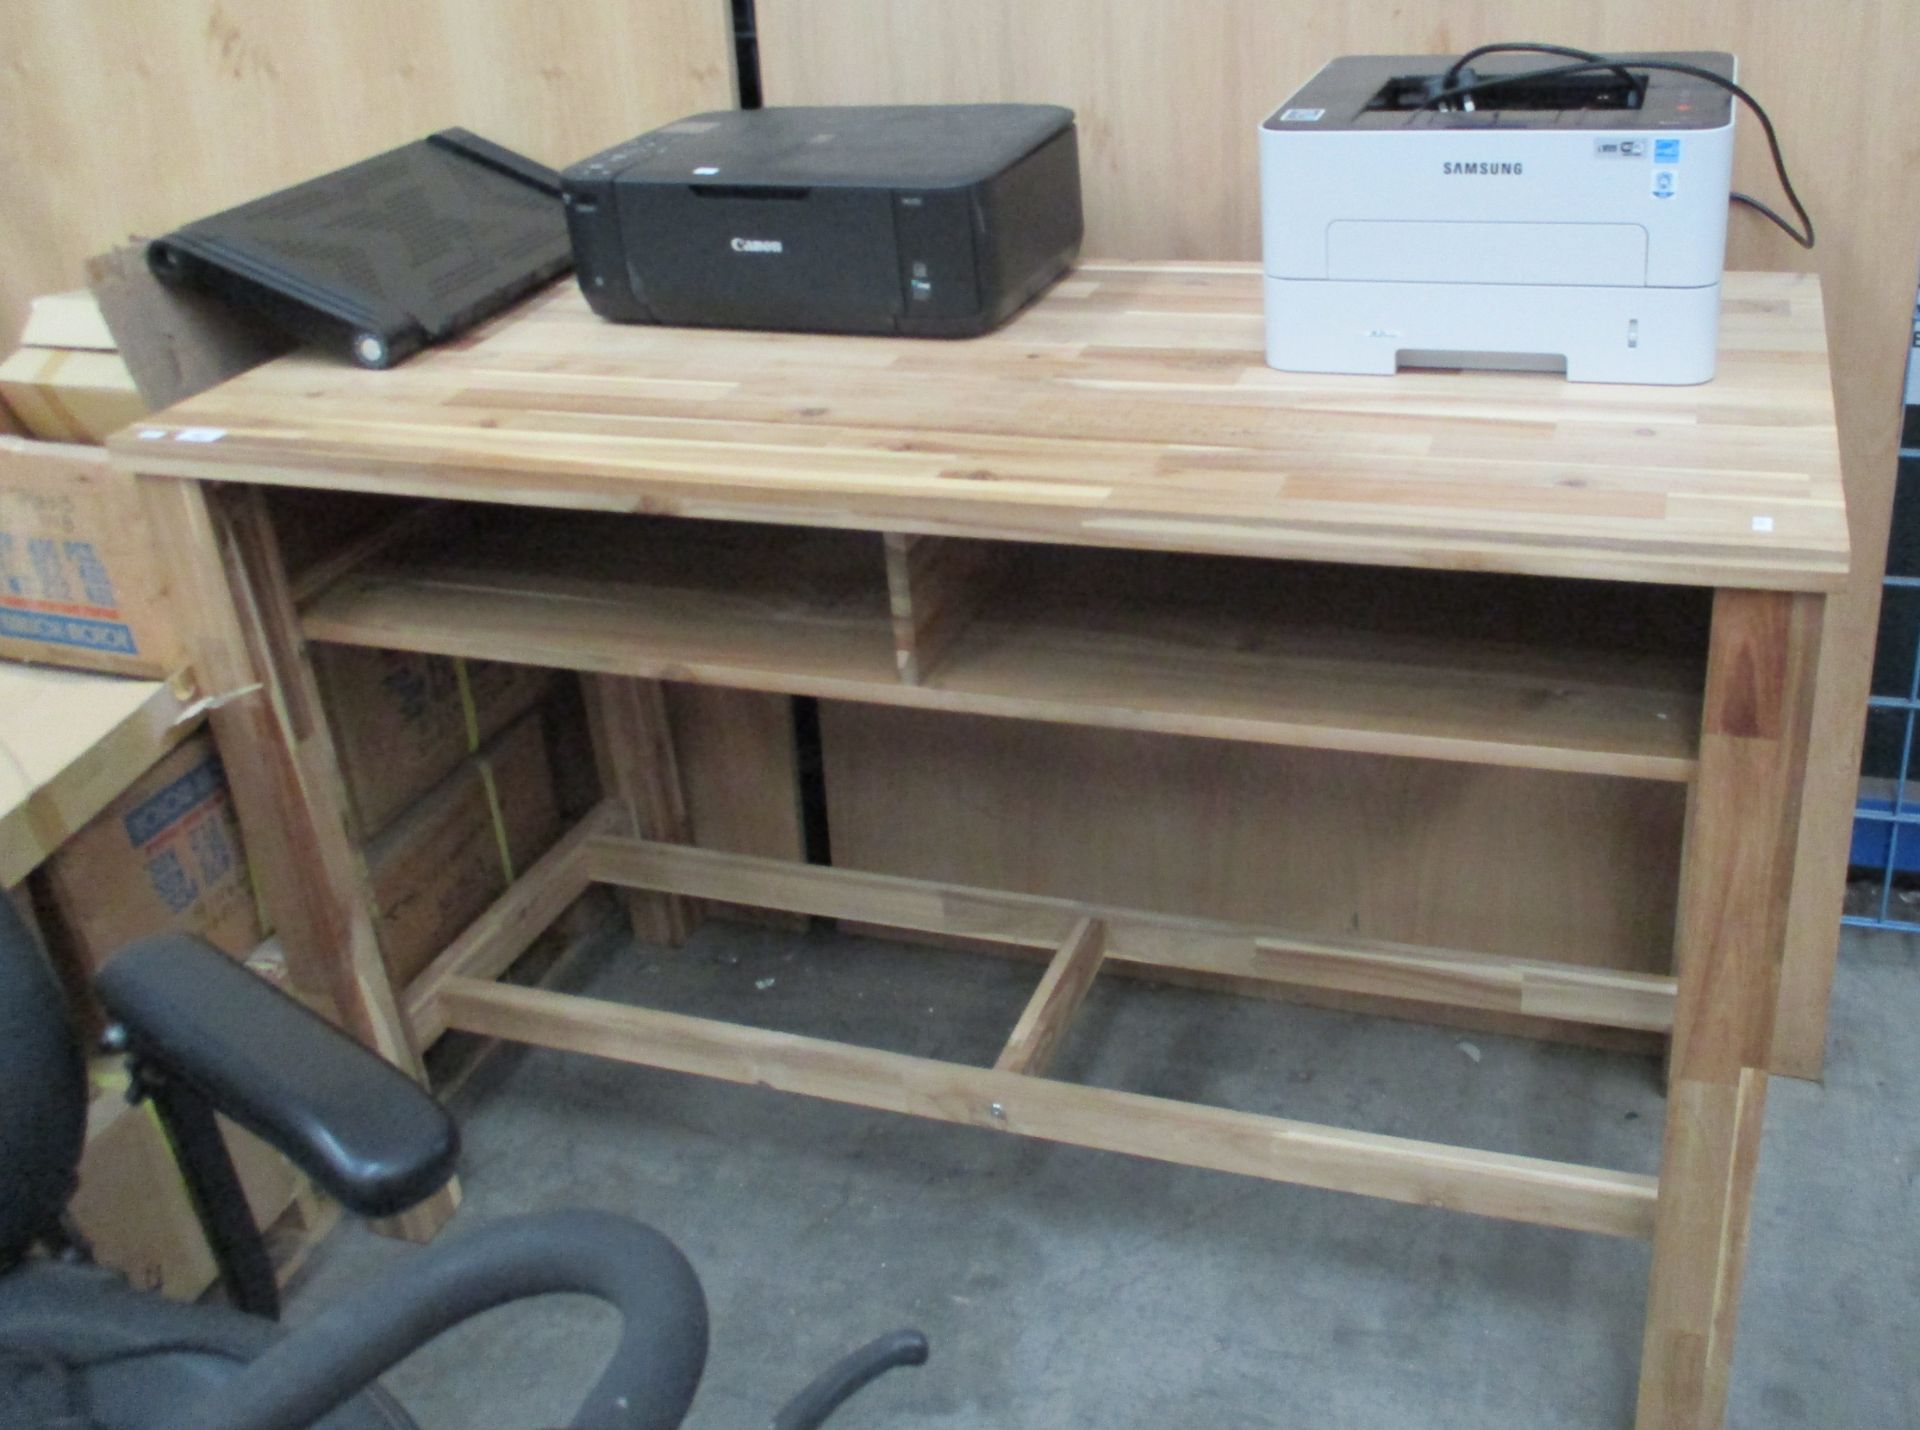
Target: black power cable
x=1804 y=235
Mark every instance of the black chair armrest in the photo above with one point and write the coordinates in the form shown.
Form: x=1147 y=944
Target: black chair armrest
x=368 y=1134
x=647 y=1385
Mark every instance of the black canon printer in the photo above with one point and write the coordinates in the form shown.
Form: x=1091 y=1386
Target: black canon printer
x=937 y=220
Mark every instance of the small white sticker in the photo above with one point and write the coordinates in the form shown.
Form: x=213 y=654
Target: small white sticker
x=706 y=169
x=150 y=434
x=1666 y=183
x=199 y=434
x=1763 y=523
x=1302 y=116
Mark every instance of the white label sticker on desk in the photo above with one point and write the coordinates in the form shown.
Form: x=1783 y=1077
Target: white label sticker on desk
x=1763 y=523
x=199 y=434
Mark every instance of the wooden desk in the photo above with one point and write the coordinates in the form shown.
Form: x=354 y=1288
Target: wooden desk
x=1043 y=526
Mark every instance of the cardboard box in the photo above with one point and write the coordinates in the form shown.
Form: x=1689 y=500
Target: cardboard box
x=440 y=865
x=165 y=855
x=403 y=722
x=70 y=394
x=132 y=1203
x=67 y=320
x=80 y=582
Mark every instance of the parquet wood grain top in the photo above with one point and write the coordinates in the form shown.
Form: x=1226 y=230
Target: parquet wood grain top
x=1128 y=407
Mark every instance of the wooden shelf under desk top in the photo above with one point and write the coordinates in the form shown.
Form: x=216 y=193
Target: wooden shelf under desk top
x=1128 y=407
x=1307 y=656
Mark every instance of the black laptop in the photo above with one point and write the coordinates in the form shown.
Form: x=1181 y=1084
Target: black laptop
x=381 y=258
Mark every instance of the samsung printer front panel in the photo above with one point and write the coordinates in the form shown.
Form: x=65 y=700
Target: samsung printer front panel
x=1558 y=223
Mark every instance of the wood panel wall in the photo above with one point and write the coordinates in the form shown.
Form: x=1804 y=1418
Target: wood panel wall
x=122 y=117
x=1169 y=95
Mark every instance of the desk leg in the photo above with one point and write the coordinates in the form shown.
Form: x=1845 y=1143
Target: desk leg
x=244 y=634
x=633 y=746
x=1742 y=821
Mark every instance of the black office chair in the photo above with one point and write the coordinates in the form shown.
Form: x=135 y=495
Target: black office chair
x=81 y=1350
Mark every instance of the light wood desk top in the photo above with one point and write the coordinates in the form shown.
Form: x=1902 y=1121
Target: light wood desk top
x=70 y=742
x=1128 y=407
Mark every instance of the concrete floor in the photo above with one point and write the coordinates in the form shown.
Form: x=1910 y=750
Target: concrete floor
x=1071 y=1288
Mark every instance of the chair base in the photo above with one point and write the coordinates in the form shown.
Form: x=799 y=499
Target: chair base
x=76 y=1338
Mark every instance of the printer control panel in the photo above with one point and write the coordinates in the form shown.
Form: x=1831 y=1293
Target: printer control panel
x=933 y=234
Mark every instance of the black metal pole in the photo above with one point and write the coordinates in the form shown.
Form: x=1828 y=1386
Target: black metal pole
x=238 y=1248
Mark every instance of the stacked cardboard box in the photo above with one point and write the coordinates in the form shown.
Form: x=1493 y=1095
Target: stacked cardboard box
x=83 y=586
x=166 y=855
x=404 y=721
x=80 y=582
x=450 y=784
x=455 y=851
x=67 y=382
x=446 y=800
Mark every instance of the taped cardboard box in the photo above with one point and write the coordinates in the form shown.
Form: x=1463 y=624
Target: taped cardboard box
x=80 y=583
x=403 y=721
x=67 y=320
x=67 y=381
x=70 y=394
x=439 y=866
x=165 y=855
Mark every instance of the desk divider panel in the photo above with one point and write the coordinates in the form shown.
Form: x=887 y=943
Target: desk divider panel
x=935 y=586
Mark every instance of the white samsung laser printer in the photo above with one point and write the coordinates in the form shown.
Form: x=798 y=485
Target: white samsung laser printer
x=1572 y=221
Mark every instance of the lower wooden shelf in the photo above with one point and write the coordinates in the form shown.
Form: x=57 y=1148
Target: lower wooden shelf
x=1212 y=647
x=457 y=993
x=1278 y=1149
